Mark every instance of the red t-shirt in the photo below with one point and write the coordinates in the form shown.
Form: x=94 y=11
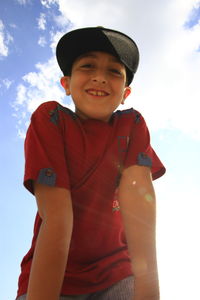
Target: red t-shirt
x=86 y=157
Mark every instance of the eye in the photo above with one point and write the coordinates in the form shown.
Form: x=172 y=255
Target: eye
x=116 y=71
x=86 y=66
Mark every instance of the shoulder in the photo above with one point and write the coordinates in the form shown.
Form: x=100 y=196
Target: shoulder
x=130 y=114
x=46 y=106
x=52 y=110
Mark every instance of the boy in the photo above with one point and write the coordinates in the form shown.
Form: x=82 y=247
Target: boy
x=90 y=171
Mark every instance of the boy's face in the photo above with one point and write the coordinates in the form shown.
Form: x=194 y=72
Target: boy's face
x=97 y=85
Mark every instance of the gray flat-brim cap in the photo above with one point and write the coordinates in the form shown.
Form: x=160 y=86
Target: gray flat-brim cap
x=80 y=41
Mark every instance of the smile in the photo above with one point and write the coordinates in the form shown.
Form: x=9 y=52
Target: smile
x=97 y=93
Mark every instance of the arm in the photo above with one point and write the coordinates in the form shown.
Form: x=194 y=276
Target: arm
x=51 y=252
x=138 y=209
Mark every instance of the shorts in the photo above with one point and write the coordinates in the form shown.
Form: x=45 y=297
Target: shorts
x=122 y=290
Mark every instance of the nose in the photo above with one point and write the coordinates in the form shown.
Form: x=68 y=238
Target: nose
x=99 y=77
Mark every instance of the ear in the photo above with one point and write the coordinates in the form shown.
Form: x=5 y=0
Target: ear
x=127 y=92
x=65 y=82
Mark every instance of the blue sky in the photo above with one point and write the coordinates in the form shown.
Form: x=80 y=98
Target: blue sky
x=165 y=89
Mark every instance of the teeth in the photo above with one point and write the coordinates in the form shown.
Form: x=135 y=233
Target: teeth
x=97 y=93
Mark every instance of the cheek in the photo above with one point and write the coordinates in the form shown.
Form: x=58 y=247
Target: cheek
x=77 y=83
x=122 y=93
x=120 y=87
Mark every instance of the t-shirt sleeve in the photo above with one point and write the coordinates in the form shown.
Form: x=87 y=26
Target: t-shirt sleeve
x=45 y=160
x=140 y=151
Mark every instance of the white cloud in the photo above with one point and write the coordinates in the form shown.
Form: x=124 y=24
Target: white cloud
x=23 y=2
x=9 y=38
x=36 y=88
x=48 y=3
x=40 y=86
x=5 y=39
x=55 y=36
x=12 y=25
x=62 y=21
x=176 y=205
x=7 y=83
x=89 y=12
x=42 y=22
x=21 y=95
x=42 y=41
x=21 y=133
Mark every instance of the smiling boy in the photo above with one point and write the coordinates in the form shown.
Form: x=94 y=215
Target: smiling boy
x=91 y=173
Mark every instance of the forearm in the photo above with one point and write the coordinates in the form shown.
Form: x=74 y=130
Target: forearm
x=143 y=260
x=137 y=202
x=49 y=261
